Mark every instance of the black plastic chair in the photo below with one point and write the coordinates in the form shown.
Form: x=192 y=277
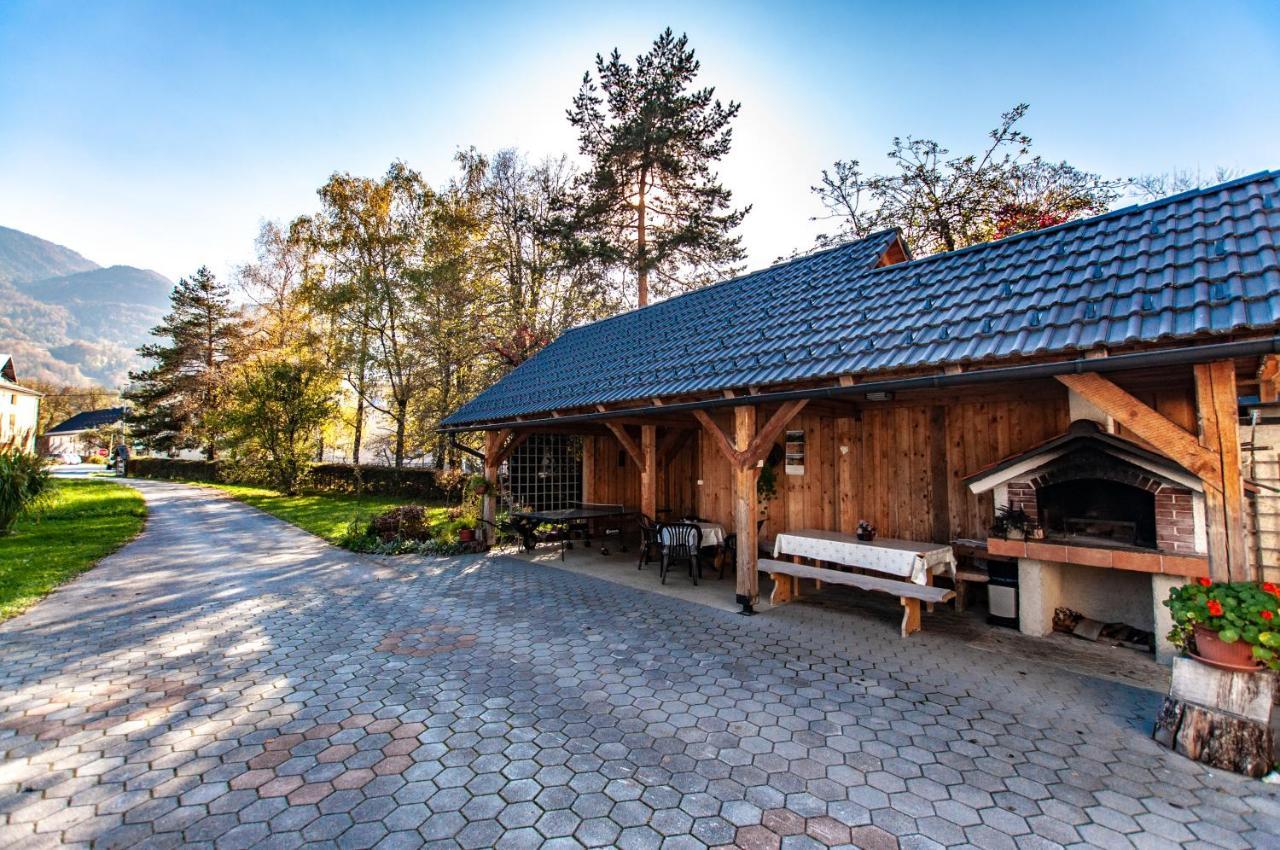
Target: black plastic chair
x=504 y=531
x=681 y=541
x=648 y=541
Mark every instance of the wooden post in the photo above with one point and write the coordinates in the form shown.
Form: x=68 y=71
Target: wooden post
x=489 y=501
x=745 y=509
x=588 y=469
x=649 y=471
x=1217 y=405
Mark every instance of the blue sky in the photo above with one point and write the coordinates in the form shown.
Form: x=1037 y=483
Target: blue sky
x=162 y=134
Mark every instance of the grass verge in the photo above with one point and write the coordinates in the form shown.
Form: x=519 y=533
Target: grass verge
x=84 y=522
x=325 y=515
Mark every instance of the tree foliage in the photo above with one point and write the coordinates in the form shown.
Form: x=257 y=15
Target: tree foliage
x=174 y=402
x=276 y=407
x=942 y=202
x=650 y=202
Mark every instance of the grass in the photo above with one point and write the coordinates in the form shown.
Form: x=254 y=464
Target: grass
x=84 y=522
x=325 y=515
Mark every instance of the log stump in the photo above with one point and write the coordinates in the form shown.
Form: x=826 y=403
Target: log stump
x=1222 y=719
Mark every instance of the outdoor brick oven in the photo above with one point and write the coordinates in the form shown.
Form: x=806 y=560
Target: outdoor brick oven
x=1115 y=525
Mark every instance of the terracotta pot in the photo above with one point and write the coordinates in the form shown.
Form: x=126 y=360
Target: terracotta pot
x=466 y=535
x=481 y=489
x=1215 y=650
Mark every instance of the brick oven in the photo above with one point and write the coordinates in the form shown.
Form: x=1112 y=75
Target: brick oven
x=1113 y=525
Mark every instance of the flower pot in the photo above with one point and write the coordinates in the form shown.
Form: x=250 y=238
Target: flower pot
x=866 y=536
x=1216 y=652
x=481 y=489
x=466 y=535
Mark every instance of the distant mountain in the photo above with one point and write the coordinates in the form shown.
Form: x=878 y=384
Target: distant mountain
x=70 y=319
x=25 y=257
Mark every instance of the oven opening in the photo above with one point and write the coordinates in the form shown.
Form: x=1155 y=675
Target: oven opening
x=1098 y=512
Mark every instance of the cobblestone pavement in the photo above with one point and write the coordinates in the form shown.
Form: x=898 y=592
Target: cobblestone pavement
x=229 y=681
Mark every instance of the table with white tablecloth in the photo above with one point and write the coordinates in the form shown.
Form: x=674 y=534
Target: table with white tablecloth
x=712 y=533
x=907 y=558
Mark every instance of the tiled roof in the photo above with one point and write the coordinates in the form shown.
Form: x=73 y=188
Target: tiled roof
x=89 y=420
x=1200 y=263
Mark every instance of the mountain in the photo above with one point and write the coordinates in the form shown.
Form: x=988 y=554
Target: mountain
x=25 y=257
x=69 y=319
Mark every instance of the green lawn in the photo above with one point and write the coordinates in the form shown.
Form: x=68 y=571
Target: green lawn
x=323 y=514
x=84 y=522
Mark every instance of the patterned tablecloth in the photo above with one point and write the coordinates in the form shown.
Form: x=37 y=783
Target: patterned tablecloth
x=712 y=533
x=906 y=558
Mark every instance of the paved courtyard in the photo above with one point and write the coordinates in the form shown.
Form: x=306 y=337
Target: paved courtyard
x=229 y=681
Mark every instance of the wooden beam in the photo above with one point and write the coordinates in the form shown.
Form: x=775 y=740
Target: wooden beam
x=718 y=437
x=489 y=501
x=745 y=509
x=1142 y=420
x=672 y=442
x=628 y=444
x=1269 y=379
x=1217 y=404
x=511 y=445
x=759 y=447
x=649 y=471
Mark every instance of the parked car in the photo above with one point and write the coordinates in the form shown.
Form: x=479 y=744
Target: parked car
x=69 y=458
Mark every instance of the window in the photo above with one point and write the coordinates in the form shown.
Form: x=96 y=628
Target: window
x=795 y=453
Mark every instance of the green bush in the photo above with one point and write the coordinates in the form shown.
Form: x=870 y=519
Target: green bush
x=95 y=458
x=173 y=469
x=408 y=482
x=24 y=482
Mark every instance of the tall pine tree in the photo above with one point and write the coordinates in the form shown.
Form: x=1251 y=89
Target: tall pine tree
x=650 y=201
x=174 y=401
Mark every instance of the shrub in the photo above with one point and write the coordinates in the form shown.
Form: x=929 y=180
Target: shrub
x=407 y=522
x=407 y=482
x=175 y=469
x=24 y=482
x=1238 y=610
x=96 y=459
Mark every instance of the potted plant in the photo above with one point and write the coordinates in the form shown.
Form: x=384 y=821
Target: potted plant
x=866 y=531
x=479 y=485
x=1011 y=522
x=1231 y=625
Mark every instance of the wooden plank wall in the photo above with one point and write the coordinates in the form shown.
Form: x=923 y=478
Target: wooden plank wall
x=604 y=480
x=899 y=458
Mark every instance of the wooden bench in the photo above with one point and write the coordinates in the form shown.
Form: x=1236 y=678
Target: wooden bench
x=910 y=594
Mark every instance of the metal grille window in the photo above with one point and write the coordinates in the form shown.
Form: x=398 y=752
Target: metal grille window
x=545 y=473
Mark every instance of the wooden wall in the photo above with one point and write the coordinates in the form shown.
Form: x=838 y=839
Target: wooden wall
x=900 y=465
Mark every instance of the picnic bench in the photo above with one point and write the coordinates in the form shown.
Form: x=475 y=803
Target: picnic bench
x=906 y=568
x=785 y=573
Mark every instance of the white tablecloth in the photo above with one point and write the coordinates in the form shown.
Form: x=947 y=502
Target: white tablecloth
x=712 y=533
x=906 y=558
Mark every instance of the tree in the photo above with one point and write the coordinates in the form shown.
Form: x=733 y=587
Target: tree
x=62 y=401
x=280 y=318
x=277 y=405
x=1153 y=187
x=942 y=202
x=366 y=237
x=541 y=288
x=650 y=202
x=174 y=402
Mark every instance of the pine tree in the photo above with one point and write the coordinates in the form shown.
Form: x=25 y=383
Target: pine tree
x=650 y=201
x=173 y=401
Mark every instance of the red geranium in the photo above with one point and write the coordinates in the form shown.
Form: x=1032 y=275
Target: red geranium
x=1267 y=615
x=1215 y=607
x=1271 y=588
x=1204 y=582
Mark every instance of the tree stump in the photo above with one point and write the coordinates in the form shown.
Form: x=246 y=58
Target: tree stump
x=1221 y=719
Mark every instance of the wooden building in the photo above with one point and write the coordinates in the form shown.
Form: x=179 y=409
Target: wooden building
x=884 y=386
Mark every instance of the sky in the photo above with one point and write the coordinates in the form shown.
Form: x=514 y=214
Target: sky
x=162 y=135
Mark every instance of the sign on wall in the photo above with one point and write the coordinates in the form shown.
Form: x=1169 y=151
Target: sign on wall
x=795 y=453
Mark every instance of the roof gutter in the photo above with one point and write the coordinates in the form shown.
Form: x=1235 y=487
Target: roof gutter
x=1118 y=363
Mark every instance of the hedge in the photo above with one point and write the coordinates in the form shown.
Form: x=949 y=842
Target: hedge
x=409 y=482
x=167 y=467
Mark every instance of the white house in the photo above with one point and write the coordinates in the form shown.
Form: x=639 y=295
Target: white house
x=19 y=408
x=83 y=432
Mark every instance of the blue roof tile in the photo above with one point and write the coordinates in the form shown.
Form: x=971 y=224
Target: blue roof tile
x=1204 y=262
